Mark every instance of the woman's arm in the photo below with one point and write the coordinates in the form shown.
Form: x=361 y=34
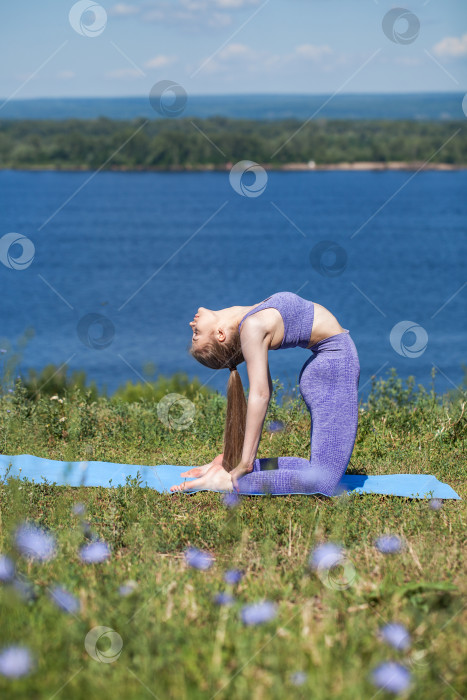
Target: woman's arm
x=255 y=351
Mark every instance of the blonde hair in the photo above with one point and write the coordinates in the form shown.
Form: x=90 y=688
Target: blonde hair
x=225 y=355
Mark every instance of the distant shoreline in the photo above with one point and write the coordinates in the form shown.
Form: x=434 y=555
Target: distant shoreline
x=286 y=167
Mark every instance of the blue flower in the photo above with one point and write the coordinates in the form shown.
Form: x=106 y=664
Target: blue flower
x=257 y=613
x=64 y=600
x=298 y=678
x=198 y=559
x=396 y=635
x=391 y=676
x=15 y=661
x=2 y=350
x=325 y=556
x=231 y=499
x=128 y=588
x=94 y=552
x=224 y=599
x=275 y=426
x=7 y=568
x=388 y=544
x=35 y=543
x=436 y=503
x=233 y=576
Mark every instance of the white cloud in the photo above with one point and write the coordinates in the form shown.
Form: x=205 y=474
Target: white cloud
x=160 y=61
x=122 y=9
x=123 y=73
x=312 y=52
x=451 y=47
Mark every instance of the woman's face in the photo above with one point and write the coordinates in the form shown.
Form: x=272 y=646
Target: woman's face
x=202 y=326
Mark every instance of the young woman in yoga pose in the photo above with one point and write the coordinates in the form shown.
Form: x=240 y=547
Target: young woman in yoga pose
x=328 y=383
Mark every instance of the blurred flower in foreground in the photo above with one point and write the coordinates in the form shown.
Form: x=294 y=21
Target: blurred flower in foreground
x=388 y=544
x=257 y=613
x=298 y=678
x=15 y=661
x=64 y=600
x=233 y=576
x=35 y=543
x=127 y=588
x=224 y=599
x=198 y=559
x=436 y=504
x=7 y=568
x=95 y=552
x=325 y=556
x=231 y=499
x=391 y=676
x=275 y=426
x=396 y=635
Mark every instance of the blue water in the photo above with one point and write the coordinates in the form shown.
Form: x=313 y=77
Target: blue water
x=138 y=249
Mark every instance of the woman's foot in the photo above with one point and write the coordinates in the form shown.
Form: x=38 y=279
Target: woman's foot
x=216 y=478
x=199 y=471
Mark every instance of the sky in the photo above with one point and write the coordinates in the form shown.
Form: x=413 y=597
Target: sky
x=231 y=47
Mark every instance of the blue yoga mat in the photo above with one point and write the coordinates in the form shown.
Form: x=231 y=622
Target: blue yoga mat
x=163 y=476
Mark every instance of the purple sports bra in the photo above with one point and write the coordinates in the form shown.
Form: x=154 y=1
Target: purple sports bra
x=297 y=314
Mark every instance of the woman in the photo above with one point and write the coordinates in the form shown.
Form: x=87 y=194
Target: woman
x=328 y=383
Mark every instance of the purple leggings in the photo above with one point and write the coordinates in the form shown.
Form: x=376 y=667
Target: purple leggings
x=328 y=383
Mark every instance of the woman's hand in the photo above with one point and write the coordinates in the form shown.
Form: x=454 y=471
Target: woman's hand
x=240 y=470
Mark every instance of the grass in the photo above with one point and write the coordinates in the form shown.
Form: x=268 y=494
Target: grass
x=177 y=643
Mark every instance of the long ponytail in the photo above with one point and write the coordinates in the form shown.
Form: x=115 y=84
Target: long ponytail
x=235 y=421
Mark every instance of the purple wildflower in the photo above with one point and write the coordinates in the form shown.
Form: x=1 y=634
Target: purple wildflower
x=275 y=426
x=127 y=588
x=325 y=556
x=15 y=661
x=2 y=350
x=257 y=613
x=198 y=559
x=391 y=676
x=233 y=576
x=396 y=635
x=79 y=509
x=35 y=543
x=7 y=568
x=298 y=678
x=231 y=499
x=64 y=600
x=388 y=544
x=94 y=552
x=224 y=599
x=436 y=504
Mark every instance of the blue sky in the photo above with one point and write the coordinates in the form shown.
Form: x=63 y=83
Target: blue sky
x=229 y=46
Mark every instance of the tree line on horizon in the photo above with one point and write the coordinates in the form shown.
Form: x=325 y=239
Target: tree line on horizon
x=217 y=141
